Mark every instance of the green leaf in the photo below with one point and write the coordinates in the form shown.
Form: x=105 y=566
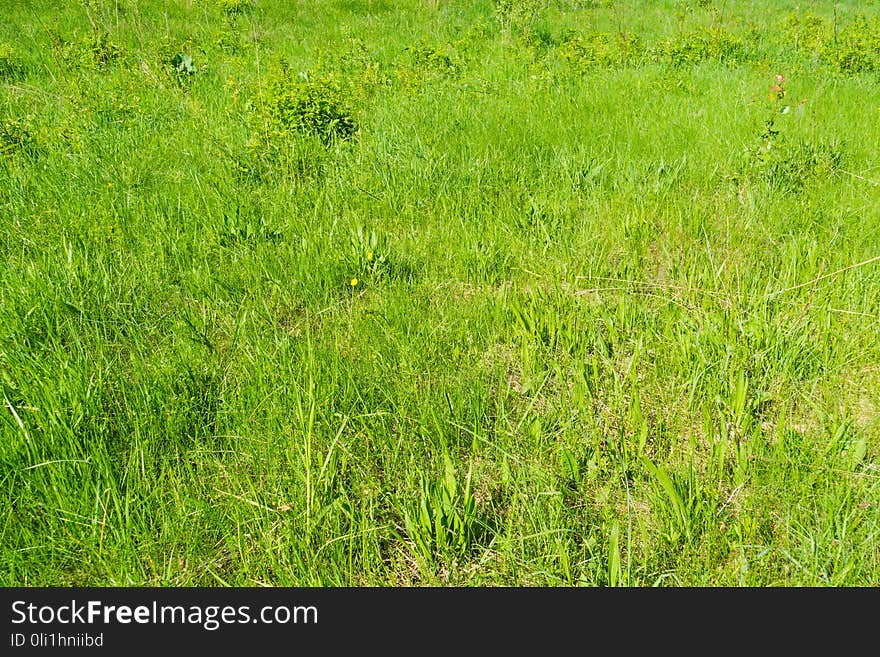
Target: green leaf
x=183 y=64
x=860 y=449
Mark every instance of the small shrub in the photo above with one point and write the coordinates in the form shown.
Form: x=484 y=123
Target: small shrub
x=851 y=48
x=430 y=58
x=94 y=50
x=855 y=48
x=601 y=50
x=103 y=50
x=308 y=106
x=700 y=46
x=806 y=32
x=176 y=61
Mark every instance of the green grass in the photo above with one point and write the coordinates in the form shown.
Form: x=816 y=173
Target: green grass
x=449 y=293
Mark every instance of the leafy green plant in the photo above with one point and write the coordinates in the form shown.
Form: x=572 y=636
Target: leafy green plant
x=854 y=47
x=95 y=50
x=432 y=58
x=103 y=49
x=850 y=47
x=16 y=137
x=294 y=122
x=363 y=71
x=182 y=64
x=236 y=7
x=310 y=106
x=445 y=522
x=11 y=67
x=806 y=32
x=684 y=505
x=694 y=47
x=244 y=228
x=602 y=50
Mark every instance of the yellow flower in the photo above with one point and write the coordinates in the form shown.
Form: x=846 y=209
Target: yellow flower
x=354 y=282
x=369 y=255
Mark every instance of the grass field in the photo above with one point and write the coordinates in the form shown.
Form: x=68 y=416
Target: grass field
x=362 y=292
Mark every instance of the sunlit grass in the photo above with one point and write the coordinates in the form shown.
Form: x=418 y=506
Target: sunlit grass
x=445 y=293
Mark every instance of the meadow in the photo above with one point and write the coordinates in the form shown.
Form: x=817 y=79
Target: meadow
x=445 y=293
